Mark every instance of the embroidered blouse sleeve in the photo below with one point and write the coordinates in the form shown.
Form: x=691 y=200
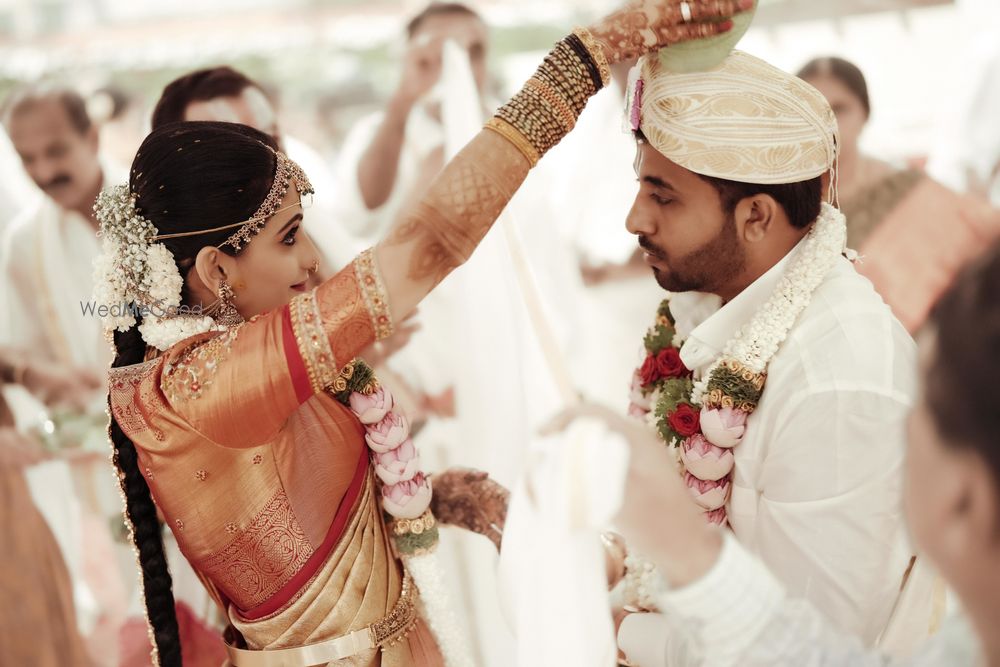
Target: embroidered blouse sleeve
x=239 y=388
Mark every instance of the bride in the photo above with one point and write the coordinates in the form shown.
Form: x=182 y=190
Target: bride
x=239 y=407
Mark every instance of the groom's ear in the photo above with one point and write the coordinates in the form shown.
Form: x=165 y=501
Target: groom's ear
x=755 y=216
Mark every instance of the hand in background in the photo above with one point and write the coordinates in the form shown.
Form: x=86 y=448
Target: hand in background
x=19 y=451
x=57 y=385
x=440 y=405
x=658 y=516
x=421 y=70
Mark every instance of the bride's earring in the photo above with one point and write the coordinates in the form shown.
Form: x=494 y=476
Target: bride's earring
x=223 y=311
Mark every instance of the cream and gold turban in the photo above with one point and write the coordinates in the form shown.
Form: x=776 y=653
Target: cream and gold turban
x=744 y=120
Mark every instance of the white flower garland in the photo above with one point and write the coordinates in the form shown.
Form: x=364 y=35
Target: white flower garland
x=133 y=275
x=439 y=611
x=756 y=342
x=406 y=496
x=642 y=582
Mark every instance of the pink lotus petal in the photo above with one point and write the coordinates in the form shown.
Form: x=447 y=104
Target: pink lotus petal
x=407 y=499
x=704 y=460
x=388 y=433
x=394 y=471
x=403 y=453
x=371 y=408
x=717 y=517
x=723 y=427
x=708 y=494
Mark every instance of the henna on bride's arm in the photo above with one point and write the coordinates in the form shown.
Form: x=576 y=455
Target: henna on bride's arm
x=458 y=210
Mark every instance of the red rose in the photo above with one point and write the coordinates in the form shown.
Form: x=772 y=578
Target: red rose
x=649 y=373
x=669 y=363
x=685 y=420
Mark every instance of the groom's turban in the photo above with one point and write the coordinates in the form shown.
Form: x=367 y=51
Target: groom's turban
x=744 y=120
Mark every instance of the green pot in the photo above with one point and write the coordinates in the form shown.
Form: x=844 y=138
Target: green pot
x=703 y=54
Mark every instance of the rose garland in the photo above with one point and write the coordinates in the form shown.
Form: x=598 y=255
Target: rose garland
x=702 y=435
x=406 y=498
x=703 y=420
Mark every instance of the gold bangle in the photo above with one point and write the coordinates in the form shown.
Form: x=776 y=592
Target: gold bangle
x=511 y=134
x=596 y=52
x=559 y=105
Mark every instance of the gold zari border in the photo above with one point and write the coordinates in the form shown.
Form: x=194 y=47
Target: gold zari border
x=375 y=295
x=312 y=341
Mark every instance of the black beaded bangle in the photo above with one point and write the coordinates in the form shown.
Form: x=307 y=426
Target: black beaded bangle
x=581 y=50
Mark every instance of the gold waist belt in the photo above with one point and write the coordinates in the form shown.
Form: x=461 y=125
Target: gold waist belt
x=380 y=634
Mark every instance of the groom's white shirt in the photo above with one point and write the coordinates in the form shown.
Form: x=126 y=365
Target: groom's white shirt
x=817 y=483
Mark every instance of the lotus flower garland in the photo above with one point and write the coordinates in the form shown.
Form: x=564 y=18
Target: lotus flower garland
x=703 y=435
x=406 y=490
x=406 y=499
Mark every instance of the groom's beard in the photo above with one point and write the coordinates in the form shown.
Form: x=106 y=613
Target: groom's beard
x=706 y=269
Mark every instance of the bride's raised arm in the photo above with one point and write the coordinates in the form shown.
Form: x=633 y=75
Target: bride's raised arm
x=440 y=232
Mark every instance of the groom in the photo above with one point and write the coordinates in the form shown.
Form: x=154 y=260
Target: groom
x=733 y=167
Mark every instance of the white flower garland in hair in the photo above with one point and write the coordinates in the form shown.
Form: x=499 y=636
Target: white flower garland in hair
x=163 y=327
x=135 y=275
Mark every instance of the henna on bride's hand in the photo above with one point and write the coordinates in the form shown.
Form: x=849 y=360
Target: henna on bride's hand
x=470 y=499
x=645 y=26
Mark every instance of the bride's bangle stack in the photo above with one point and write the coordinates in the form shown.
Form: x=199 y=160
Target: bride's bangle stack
x=547 y=108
